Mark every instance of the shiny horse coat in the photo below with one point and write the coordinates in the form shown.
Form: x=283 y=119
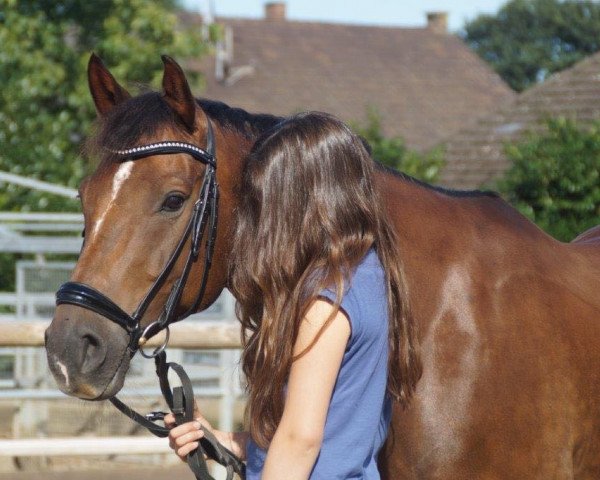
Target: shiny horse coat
x=508 y=317
x=509 y=324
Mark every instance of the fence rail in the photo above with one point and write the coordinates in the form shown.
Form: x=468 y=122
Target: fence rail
x=38 y=185
x=189 y=336
x=192 y=335
x=82 y=446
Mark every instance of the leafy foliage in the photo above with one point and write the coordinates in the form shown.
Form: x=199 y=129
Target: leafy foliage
x=555 y=177
x=527 y=40
x=45 y=107
x=394 y=153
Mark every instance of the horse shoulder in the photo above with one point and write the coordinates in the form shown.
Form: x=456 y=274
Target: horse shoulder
x=498 y=330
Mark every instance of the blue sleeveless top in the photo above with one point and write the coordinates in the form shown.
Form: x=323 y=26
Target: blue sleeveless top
x=360 y=410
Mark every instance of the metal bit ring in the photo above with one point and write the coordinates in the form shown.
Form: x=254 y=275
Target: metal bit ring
x=158 y=350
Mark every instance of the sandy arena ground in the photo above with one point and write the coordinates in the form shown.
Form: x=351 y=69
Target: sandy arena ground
x=74 y=418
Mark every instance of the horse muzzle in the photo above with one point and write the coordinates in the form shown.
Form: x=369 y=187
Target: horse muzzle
x=87 y=356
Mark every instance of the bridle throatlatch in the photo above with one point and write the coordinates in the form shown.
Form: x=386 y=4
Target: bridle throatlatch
x=203 y=220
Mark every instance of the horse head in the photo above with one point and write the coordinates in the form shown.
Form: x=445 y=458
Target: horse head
x=136 y=213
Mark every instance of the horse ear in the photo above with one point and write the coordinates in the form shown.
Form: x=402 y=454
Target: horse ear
x=105 y=90
x=177 y=93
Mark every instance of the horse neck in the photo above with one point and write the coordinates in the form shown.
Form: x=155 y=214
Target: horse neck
x=420 y=214
x=433 y=218
x=232 y=156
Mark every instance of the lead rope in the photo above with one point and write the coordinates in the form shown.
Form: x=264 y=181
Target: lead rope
x=181 y=403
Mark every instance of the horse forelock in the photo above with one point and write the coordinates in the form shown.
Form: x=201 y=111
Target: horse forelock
x=147 y=115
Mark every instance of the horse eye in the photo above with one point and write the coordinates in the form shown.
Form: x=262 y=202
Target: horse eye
x=173 y=203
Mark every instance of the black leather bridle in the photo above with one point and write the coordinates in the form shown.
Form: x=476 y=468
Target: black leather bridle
x=180 y=399
x=204 y=212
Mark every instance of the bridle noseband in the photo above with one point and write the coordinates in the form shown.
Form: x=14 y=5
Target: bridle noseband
x=204 y=212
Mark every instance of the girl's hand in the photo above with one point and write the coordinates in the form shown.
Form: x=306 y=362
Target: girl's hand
x=185 y=438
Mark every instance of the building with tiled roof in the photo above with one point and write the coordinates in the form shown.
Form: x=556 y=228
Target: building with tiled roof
x=475 y=155
x=425 y=82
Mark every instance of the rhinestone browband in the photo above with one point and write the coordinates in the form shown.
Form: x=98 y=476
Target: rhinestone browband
x=162 y=148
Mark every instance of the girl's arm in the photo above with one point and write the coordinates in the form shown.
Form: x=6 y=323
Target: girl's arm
x=297 y=440
x=184 y=438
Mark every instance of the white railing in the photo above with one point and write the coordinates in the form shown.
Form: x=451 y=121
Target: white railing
x=185 y=335
x=16 y=230
x=37 y=185
x=44 y=447
x=70 y=218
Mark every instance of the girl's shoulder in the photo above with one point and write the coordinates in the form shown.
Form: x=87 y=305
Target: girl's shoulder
x=367 y=278
x=369 y=265
x=364 y=299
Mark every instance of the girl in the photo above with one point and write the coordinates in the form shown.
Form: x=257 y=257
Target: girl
x=328 y=340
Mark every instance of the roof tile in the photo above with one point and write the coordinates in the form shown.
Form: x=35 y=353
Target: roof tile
x=424 y=85
x=475 y=154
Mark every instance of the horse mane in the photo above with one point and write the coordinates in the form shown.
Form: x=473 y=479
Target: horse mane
x=144 y=115
x=436 y=188
x=251 y=125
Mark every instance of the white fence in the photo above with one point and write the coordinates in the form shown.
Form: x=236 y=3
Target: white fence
x=207 y=335
x=206 y=344
x=32 y=409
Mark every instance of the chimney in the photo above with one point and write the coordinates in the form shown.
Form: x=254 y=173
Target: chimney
x=437 y=22
x=275 y=11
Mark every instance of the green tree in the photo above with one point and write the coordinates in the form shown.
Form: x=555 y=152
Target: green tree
x=555 y=177
x=527 y=40
x=45 y=107
x=394 y=153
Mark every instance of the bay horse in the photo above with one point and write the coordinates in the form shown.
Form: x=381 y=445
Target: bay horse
x=508 y=317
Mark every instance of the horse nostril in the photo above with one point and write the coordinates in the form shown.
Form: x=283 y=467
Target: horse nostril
x=93 y=353
x=91 y=340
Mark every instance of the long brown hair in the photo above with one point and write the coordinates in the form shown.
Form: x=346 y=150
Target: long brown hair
x=308 y=214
